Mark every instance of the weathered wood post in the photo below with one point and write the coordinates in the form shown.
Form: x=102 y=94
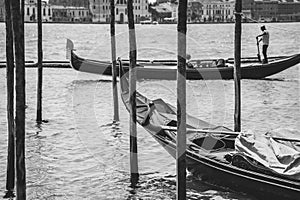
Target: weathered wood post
x=237 y=65
x=20 y=99
x=40 y=62
x=181 y=100
x=114 y=61
x=132 y=91
x=10 y=176
x=22 y=17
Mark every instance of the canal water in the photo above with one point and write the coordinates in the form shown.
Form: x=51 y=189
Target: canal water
x=81 y=154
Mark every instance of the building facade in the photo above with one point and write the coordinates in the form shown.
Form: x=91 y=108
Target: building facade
x=74 y=3
x=159 y=13
x=288 y=10
x=30 y=11
x=71 y=14
x=217 y=10
x=100 y=10
x=173 y=7
x=194 y=11
x=265 y=11
x=2 y=11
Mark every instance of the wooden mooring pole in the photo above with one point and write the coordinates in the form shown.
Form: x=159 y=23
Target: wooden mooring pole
x=18 y=31
x=132 y=91
x=40 y=62
x=181 y=100
x=10 y=176
x=114 y=61
x=237 y=65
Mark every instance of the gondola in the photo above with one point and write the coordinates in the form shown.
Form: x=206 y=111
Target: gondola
x=212 y=151
x=196 y=69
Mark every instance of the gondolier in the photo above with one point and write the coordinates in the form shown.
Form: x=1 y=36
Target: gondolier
x=265 y=40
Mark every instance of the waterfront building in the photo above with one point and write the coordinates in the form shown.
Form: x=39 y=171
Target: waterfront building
x=162 y=14
x=265 y=11
x=71 y=14
x=194 y=11
x=217 y=10
x=247 y=10
x=288 y=10
x=162 y=1
x=100 y=10
x=173 y=7
x=73 y=3
x=30 y=11
x=2 y=11
x=274 y=10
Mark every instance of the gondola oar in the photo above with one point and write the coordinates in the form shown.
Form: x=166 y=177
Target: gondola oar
x=172 y=128
x=258 y=52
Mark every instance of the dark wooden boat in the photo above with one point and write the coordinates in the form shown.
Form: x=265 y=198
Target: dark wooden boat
x=198 y=69
x=211 y=153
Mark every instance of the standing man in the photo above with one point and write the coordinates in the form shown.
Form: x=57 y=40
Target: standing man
x=265 y=40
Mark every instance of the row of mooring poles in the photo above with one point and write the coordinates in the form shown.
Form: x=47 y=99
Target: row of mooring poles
x=39 y=63
x=114 y=60
x=10 y=175
x=18 y=34
x=181 y=101
x=237 y=65
x=16 y=127
x=132 y=99
x=181 y=89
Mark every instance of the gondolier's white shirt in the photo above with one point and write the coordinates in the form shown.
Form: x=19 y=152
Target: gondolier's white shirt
x=265 y=38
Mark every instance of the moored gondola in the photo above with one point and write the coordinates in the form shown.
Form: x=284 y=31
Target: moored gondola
x=209 y=69
x=215 y=153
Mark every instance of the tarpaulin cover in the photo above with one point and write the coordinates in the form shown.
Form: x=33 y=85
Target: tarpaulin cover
x=282 y=157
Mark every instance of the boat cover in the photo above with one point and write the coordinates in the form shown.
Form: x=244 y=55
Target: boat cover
x=282 y=157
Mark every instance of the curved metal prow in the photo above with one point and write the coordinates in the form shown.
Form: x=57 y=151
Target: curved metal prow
x=123 y=79
x=69 y=49
x=121 y=69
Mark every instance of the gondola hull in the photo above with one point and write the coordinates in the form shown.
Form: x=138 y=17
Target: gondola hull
x=255 y=184
x=155 y=115
x=166 y=70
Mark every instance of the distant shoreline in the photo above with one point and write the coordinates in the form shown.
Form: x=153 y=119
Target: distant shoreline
x=158 y=23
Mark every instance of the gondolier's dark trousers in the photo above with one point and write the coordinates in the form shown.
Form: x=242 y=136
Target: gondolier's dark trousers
x=264 y=51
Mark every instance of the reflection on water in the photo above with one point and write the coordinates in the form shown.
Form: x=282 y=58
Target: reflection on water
x=81 y=154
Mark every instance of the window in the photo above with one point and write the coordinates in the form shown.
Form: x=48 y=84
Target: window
x=44 y=11
x=33 y=11
x=49 y=11
x=28 y=11
x=117 y=11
